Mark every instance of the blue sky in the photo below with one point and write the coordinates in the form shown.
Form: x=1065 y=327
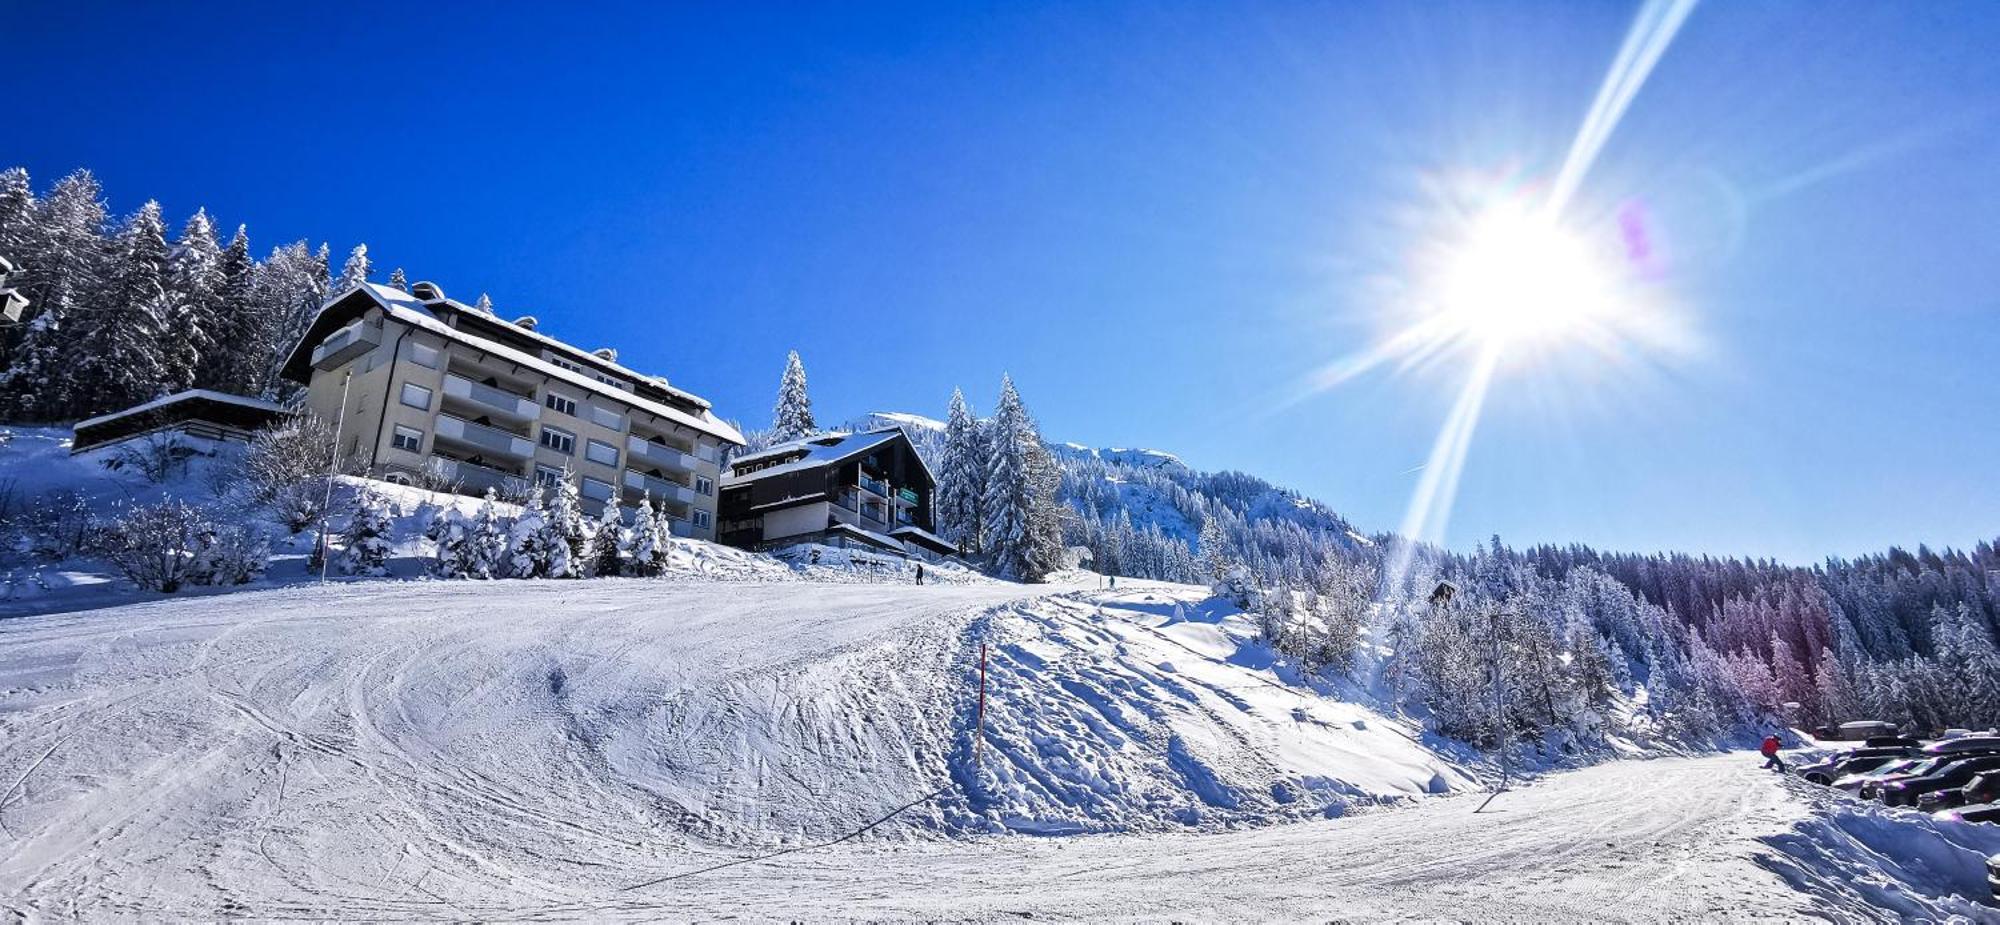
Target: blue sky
x=1157 y=217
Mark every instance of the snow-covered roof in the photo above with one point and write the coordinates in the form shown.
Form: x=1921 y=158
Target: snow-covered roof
x=821 y=450
x=922 y=533
x=409 y=310
x=178 y=397
x=560 y=346
x=907 y=419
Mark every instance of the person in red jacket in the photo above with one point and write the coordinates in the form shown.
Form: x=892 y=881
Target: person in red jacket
x=1770 y=749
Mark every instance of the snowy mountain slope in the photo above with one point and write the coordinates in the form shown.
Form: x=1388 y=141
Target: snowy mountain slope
x=393 y=749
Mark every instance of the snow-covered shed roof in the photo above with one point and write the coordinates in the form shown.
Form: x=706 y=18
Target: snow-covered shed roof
x=820 y=450
x=925 y=536
x=409 y=310
x=234 y=411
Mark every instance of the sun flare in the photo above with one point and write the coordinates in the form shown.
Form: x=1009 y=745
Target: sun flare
x=1515 y=277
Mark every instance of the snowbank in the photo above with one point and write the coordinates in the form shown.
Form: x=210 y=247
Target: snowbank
x=1858 y=854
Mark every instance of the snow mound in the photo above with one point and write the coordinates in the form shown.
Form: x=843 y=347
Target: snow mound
x=1105 y=713
x=1858 y=854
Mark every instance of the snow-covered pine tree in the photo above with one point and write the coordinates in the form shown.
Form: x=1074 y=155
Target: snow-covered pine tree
x=355 y=271
x=366 y=545
x=287 y=291
x=115 y=360
x=451 y=539
x=1019 y=528
x=608 y=543
x=234 y=326
x=569 y=532
x=961 y=488
x=646 y=542
x=485 y=304
x=194 y=287
x=487 y=544
x=62 y=277
x=530 y=554
x=398 y=281
x=792 y=418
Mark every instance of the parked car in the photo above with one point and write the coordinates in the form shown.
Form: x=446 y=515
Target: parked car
x=1952 y=772
x=1855 y=731
x=1984 y=788
x=1993 y=876
x=1891 y=742
x=1859 y=761
x=1853 y=783
x=1964 y=745
x=1984 y=812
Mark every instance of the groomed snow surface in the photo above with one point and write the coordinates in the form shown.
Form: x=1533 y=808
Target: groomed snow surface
x=589 y=750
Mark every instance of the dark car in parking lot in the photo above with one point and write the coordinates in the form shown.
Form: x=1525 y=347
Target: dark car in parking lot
x=1950 y=772
x=1983 y=788
x=1964 y=745
x=1910 y=767
x=1858 y=761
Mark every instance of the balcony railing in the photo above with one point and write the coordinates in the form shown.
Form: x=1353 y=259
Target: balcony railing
x=475 y=478
x=349 y=342
x=662 y=489
x=494 y=400
x=875 y=513
x=875 y=485
x=656 y=454
x=491 y=439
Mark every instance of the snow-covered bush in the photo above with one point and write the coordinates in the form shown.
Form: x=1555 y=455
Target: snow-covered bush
x=156 y=457
x=167 y=546
x=366 y=544
x=58 y=525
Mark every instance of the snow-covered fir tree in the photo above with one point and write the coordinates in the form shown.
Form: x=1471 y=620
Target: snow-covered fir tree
x=62 y=276
x=115 y=360
x=487 y=543
x=531 y=550
x=398 y=281
x=450 y=534
x=355 y=271
x=287 y=291
x=961 y=487
x=235 y=323
x=792 y=418
x=646 y=542
x=367 y=542
x=194 y=287
x=1020 y=523
x=484 y=305
x=569 y=531
x=608 y=544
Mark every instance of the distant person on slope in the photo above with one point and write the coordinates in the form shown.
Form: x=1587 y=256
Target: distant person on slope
x=920 y=573
x=1770 y=749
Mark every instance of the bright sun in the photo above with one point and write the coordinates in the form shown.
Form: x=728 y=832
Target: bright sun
x=1515 y=277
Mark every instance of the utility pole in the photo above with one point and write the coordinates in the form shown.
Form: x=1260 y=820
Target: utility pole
x=332 y=469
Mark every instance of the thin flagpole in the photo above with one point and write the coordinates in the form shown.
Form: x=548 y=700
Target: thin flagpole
x=332 y=469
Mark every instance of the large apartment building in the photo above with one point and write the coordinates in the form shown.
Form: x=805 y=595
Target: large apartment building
x=423 y=385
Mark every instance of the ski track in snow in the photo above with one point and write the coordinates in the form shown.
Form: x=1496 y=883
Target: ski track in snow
x=628 y=749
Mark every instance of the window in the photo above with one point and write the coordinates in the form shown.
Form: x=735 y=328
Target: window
x=548 y=476
x=407 y=438
x=704 y=485
x=561 y=441
x=560 y=403
x=598 y=451
x=424 y=355
x=701 y=519
x=596 y=489
x=416 y=396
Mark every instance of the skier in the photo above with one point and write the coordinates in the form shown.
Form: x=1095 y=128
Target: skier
x=920 y=573
x=1770 y=749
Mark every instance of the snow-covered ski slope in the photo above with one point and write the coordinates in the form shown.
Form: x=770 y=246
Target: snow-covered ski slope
x=379 y=748
x=644 y=749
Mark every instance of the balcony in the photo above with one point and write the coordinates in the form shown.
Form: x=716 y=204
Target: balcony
x=490 y=400
x=657 y=454
x=875 y=512
x=661 y=489
x=877 y=486
x=349 y=342
x=907 y=496
x=489 y=439
x=474 y=478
